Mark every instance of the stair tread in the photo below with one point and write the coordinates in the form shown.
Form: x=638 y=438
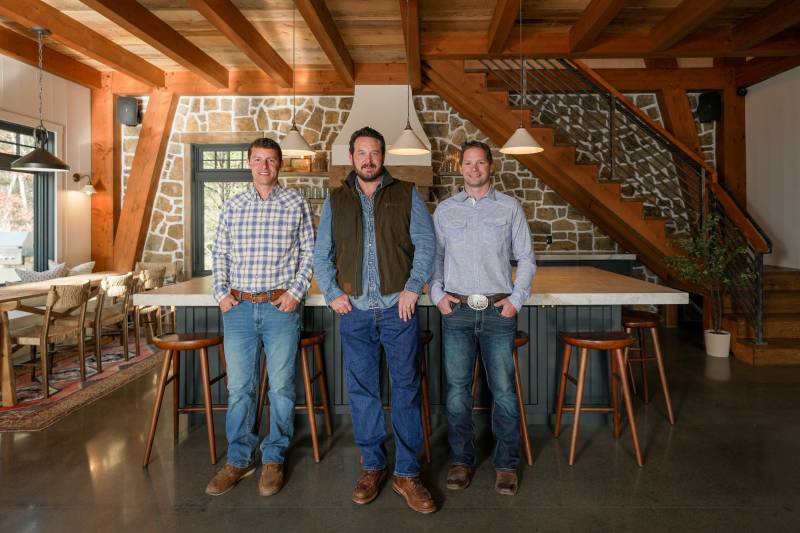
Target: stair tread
x=773 y=343
x=776 y=315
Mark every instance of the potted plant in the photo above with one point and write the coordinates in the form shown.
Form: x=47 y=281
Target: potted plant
x=706 y=266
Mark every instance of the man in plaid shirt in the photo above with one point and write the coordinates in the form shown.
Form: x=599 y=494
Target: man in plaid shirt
x=262 y=260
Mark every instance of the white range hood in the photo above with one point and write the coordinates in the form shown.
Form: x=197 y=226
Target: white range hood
x=381 y=107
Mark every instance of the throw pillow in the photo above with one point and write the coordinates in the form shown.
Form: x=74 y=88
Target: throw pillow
x=27 y=276
x=83 y=268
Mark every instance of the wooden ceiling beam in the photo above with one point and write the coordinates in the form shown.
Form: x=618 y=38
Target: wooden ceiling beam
x=68 y=31
x=762 y=68
x=661 y=62
x=320 y=21
x=138 y=20
x=409 y=14
x=503 y=18
x=594 y=19
x=232 y=23
x=778 y=16
x=713 y=43
x=683 y=20
x=14 y=45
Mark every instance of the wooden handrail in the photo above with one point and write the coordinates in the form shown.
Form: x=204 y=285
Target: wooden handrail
x=740 y=219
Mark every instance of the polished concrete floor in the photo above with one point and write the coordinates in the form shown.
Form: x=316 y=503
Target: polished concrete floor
x=729 y=464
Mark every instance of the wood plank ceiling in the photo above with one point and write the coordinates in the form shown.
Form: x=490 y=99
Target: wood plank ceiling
x=345 y=39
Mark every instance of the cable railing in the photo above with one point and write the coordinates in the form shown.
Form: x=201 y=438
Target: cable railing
x=630 y=148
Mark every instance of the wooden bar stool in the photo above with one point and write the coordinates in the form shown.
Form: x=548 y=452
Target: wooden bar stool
x=520 y=340
x=308 y=340
x=173 y=344
x=641 y=320
x=614 y=342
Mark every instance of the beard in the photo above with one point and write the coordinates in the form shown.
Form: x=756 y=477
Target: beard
x=362 y=175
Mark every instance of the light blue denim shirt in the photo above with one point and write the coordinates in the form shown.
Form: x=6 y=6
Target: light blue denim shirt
x=422 y=237
x=475 y=242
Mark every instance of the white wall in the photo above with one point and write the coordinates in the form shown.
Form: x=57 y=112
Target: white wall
x=773 y=164
x=67 y=112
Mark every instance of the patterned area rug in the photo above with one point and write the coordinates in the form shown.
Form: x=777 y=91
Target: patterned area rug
x=67 y=394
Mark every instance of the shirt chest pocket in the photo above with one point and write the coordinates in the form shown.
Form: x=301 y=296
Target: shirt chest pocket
x=454 y=231
x=494 y=231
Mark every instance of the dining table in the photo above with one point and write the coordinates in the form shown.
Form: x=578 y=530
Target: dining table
x=13 y=297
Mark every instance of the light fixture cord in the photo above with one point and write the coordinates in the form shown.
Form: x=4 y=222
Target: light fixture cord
x=522 y=76
x=294 y=67
x=39 y=39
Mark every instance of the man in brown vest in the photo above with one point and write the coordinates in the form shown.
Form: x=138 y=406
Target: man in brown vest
x=374 y=254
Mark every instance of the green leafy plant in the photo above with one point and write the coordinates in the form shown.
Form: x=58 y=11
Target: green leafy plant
x=708 y=256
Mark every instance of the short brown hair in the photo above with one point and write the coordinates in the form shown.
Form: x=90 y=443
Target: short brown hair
x=265 y=142
x=367 y=132
x=477 y=144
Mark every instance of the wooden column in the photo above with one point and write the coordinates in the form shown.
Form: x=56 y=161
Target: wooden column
x=148 y=160
x=105 y=175
x=731 y=146
x=677 y=115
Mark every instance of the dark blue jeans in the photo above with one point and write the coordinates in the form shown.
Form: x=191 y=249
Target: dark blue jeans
x=363 y=333
x=463 y=331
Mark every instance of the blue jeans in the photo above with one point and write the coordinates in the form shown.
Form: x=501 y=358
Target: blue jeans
x=462 y=331
x=363 y=333
x=249 y=327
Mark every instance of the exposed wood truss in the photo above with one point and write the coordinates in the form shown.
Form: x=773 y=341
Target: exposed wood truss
x=134 y=220
x=683 y=20
x=505 y=13
x=760 y=69
x=409 y=13
x=677 y=116
x=322 y=25
x=23 y=49
x=105 y=177
x=594 y=19
x=778 y=16
x=34 y=13
x=133 y=17
x=227 y=18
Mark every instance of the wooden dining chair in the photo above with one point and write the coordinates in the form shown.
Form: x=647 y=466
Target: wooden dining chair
x=64 y=302
x=147 y=280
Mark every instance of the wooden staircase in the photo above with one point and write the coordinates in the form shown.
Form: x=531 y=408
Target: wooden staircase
x=781 y=322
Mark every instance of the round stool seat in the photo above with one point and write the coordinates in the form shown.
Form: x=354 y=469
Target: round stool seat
x=520 y=339
x=187 y=341
x=311 y=338
x=640 y=319
x=425 y=336
x=597 y=340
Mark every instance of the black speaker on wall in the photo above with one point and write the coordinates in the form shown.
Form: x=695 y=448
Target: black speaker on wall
x=128 y=111
x=709 y=107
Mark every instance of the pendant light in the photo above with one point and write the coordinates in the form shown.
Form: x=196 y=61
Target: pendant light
x=294 y=145
x=40 y=160
x=408 y=143
x=521 y=142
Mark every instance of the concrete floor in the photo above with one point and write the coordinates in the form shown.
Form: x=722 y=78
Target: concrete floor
x=729 y=464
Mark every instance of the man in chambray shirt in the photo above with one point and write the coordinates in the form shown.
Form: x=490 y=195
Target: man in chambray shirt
x=478 y=232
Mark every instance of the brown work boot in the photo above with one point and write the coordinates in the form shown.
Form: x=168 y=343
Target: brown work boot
x=368 y=486
x=227 y=478
x=458 y=477
x=271 y=479
x=416 y=495
x=506 y=483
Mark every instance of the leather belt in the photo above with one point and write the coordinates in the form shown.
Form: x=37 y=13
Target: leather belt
x=258 y=297
x=479 y=302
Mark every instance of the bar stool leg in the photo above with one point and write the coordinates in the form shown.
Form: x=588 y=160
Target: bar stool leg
x=584 y=358
x=662 y=374
x=643 y=356
x=176 y=393
x=212 y=444
x=323 y=389
x=263 y=384
x=626 y=395
x=162 y=385
x=523 y=419
x=312 y=419
x=628 y=363
x=223 y=364
x=615 y=414
x=124 y=332
x=137 y=331
x=426 y=408
x=562 y=387
x=476 y=372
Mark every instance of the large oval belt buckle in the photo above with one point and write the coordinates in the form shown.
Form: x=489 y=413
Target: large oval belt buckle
x=478 y=302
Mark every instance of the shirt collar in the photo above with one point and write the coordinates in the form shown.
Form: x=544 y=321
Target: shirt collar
x=462 y=196
x=277 y=194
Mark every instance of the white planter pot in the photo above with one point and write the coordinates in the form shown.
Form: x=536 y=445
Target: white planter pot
x=717 y=344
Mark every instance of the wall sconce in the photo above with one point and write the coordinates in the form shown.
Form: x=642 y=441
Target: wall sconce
x=87 y=189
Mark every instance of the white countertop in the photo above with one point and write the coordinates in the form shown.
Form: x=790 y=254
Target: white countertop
x=551 y=286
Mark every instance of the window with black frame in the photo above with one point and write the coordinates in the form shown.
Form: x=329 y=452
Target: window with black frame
x=27 y=206
x=219 y=171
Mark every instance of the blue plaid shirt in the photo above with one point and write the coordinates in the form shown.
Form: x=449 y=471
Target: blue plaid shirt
x=263 y=245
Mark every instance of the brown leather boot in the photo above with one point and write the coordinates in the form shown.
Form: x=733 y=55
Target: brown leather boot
x=506 y=483
x=227 y=478
x=458 y=477
x=368 y=486
x=416 y=495
x=271 y=479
